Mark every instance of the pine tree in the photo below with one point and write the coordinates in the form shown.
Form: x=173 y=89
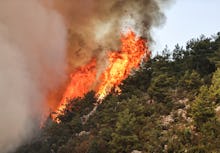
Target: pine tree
x=203 y=108
x=124 y=138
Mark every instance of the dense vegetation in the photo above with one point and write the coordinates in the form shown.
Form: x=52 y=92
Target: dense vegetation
x=170 y=105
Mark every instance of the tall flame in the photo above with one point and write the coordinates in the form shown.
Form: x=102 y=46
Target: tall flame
x=81 y=82
x=121 y=63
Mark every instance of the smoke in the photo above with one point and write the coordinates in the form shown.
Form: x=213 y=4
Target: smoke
x=95 y=25
x=32 y=62
x=33 y=57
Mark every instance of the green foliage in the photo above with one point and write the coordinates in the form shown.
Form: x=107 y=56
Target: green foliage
x=215 y=87
x=203 y=108
x=190 y=82
x=160 y=87
x=137 y=83
x=166 y=106
x=204 y=104
x=178 y=53
x=199 y=52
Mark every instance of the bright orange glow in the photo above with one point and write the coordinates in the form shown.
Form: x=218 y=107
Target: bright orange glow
x=121 y=63
x=81 y=81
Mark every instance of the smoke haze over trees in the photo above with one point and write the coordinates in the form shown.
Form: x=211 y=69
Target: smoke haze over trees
x=32 y=62
x=170 y=105
x=41 y=41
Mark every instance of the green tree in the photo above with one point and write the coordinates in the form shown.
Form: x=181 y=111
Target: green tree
x=178 y=53
x=199 y=51
x=160 y=87
x=215 y=87
x=124 y=139
x=202 y=108
x=190 y=82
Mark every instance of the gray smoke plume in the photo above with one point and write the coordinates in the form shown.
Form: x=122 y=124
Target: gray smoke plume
x=95 y=25
x=32 y=62
x=33 y=39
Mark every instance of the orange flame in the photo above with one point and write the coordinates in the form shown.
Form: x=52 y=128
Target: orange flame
x=81 y=82
x=121 y=64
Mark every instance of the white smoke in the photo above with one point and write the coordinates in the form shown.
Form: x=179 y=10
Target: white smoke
x=32 y=62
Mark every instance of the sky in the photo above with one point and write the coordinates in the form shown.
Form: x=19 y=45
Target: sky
x=187 y=19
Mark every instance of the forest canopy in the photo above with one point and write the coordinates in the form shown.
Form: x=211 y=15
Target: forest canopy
x=171 y=104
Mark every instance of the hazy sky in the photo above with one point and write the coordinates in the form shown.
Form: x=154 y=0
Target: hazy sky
x=188 y=19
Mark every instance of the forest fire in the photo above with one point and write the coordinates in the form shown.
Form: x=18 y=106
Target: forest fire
x=120 y=65
x=81 y=81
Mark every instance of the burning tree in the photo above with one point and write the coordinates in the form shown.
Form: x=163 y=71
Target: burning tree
x=133 y=51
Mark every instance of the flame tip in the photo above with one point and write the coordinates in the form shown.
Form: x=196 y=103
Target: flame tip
x=121 y=63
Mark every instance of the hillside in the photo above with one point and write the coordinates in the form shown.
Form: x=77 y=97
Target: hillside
x=170 y=105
